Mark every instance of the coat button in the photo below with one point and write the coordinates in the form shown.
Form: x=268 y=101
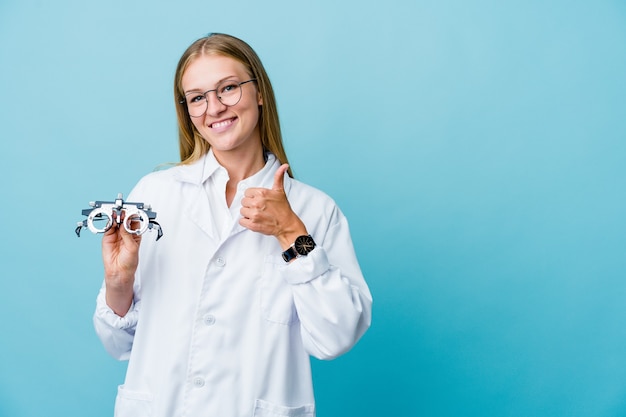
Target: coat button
x=220 y=261
x=198 y=382
x=209 y=319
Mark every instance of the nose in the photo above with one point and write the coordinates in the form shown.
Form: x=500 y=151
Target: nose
x=214 y=106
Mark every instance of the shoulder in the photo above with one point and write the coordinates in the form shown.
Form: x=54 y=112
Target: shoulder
x=307 y=200
x=159 y=182
x=298 y=189
x=158 y=178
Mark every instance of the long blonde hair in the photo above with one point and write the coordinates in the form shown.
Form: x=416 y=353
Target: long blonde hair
x=193 y=146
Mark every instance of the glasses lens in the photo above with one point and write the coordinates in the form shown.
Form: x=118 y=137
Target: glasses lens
x=229 y=92
x=196 y=104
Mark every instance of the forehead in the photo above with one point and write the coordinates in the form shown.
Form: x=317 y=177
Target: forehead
x=207 y=70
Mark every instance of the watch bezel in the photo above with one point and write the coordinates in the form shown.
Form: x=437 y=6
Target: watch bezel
x=304 y=245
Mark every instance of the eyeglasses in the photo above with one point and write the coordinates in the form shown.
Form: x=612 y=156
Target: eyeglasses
x=227 y=92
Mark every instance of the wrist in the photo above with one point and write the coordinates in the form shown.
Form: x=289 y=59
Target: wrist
x=119 y=300
x=119 y=282
x=289 y=236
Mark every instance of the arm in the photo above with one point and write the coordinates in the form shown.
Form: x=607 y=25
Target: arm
x=116 y=332
x=117 y=305
x=330 y=295
x=120 y=255
x=333 y=301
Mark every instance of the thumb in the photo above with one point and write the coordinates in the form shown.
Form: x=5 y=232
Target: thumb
x=279 y=177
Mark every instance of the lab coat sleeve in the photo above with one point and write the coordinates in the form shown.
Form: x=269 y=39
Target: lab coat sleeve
x=116 y=333
x=331 y=297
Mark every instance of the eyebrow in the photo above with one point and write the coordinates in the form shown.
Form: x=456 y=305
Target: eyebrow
x=198 y=90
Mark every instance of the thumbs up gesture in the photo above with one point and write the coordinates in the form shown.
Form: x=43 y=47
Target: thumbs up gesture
x=268 y=211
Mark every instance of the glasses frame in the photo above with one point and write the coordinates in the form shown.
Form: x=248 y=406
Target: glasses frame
x=206 y=99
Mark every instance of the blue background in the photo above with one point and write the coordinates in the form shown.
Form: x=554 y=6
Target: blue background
x=477 y=147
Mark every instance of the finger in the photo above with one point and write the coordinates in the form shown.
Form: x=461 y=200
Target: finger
x=131 y=240
x=111 y=230
x=279 y=177
x=245 y=212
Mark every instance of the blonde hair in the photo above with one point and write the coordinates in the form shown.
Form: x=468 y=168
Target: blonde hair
x=191 y=144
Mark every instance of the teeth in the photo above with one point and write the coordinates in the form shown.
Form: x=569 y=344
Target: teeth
x=222 y=124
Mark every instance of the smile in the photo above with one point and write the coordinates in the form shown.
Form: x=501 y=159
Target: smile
x=222 y=123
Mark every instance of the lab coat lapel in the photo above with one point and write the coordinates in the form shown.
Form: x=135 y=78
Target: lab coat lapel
x=199 y=210
x=195 y=202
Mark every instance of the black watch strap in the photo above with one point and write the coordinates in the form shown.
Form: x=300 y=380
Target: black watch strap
x=290 y=254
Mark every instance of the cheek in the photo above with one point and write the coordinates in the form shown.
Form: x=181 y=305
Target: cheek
x=199 y=127
x=198 y=122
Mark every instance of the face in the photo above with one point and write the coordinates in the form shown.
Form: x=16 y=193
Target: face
x=226 y=128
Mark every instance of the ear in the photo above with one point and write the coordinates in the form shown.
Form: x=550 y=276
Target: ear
x=259 y=98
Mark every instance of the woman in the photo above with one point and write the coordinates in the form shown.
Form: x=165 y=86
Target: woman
x=255 y=271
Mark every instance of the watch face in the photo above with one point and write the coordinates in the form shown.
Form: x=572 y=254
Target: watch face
x=304 y=245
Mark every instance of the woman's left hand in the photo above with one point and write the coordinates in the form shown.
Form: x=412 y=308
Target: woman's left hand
x=268 y=211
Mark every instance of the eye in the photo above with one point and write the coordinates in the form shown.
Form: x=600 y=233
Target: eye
x=194 y=98
x=228 y=87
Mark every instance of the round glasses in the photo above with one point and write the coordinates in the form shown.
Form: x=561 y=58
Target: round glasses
x=227 y=92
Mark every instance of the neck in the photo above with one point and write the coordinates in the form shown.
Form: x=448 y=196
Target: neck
x=239 y=167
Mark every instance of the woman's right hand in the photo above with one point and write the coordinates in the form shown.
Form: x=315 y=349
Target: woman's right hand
x=120 y=255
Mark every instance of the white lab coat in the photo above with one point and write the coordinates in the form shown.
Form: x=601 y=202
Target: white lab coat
x=224 y=327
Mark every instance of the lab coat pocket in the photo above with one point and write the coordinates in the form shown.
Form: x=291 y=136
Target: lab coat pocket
x=276 y=295
x=132 y=403
x=266 y=409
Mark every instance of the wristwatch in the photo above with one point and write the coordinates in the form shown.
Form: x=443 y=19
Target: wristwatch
x=301 y=247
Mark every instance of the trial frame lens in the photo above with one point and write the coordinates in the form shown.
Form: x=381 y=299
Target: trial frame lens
x=228 y=92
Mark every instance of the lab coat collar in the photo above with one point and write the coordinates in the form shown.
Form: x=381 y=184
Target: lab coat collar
x=201 y=170
x=198 y=172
